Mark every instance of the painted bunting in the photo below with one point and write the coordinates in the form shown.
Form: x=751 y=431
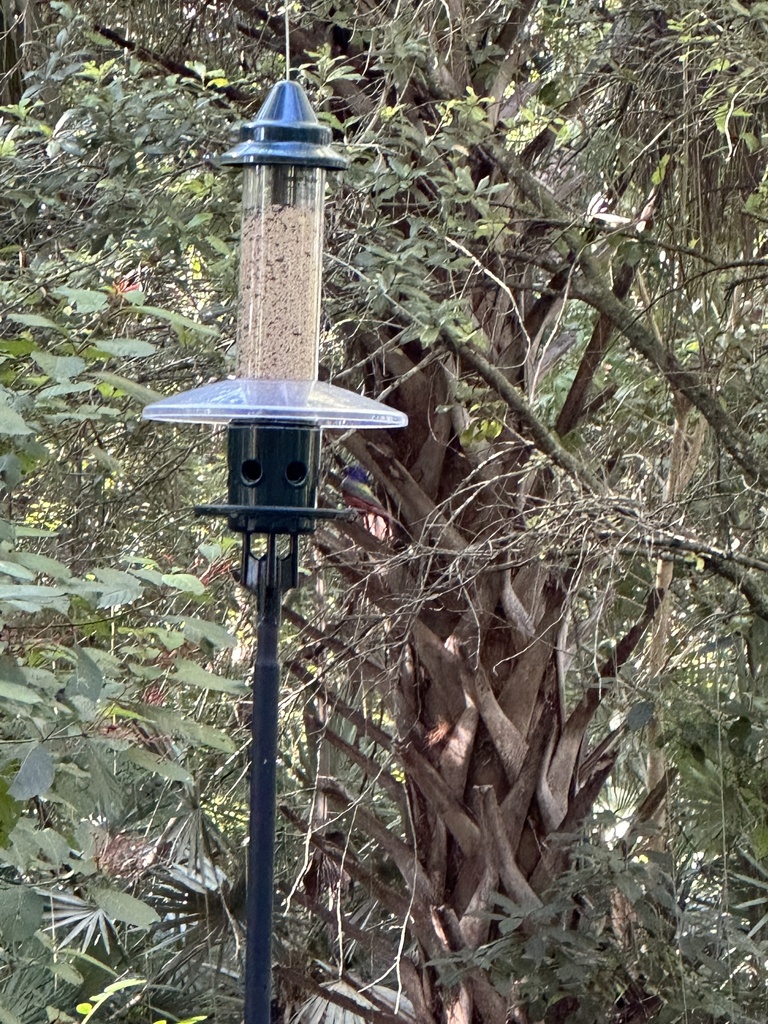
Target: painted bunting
x=357 y=493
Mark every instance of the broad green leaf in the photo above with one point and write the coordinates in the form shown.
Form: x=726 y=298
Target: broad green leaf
x=170 y=770
x=42 y=679
x=43 y=564
x=640 y=714
x=187 y=729
x=35 y=320
x=87 y=681
x=177 y=320
x=142 y=394
x=20 y=912
x=198 y=630
x=10 y=471
x=15 y=691
x=61 y=368
x=11 y=671
x=171 y=639
x=184 y=581
x=127 y=348
x=661 y=170
x=35 y=775
x=17 y=571
x=150 y=575
x=34 y=531
x=10 y=812
x=11 y=423
x=85 y=300
x=28 y=598
x=53 y=847
x=120 y=906
x=66 y=972
x=192 y=673
x=61 y=390
x=760 y=841
x=117 y=587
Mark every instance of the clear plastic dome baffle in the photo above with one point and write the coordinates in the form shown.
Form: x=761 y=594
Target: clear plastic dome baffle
x=309 y=402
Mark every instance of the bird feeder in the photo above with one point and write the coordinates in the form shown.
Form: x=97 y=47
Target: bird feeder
x=275 y=405
x=275 y=409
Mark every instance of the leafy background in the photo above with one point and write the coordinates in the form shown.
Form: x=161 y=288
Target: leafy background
x=522 y=770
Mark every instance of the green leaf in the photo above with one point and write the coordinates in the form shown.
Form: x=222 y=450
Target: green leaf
x=760 y=841
x=751 y=141
x=17 y=571
x=661 y=170
x=187 y=729
x=28 y=598
x=118 y=587
x=199 y=630
x=87 y=681
x=17 y=692
x=123 y=983
x=66 y=972
x=184 y=581
x=11 y=423
x=60 y=368
x=21 y=912
x=126 y=348
x=177 y=320
x=640 y=715
x=10 y=471
x=85 y=300
x=120 y=906
x=143 y=395
x=53 y=847
x=35 y=320
x=11 y=671
x=10 y=812
x=151 y=762
x=35 y=775
x=192 y=673
x=43 y=564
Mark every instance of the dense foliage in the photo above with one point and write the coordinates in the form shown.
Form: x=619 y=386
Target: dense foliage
x=523 y=749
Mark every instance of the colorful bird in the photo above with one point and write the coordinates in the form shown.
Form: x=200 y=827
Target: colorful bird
x=357 y=493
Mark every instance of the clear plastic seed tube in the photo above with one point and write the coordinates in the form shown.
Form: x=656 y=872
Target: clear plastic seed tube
x=280 y=272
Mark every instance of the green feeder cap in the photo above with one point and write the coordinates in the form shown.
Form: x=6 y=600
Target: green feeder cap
x=286 y=131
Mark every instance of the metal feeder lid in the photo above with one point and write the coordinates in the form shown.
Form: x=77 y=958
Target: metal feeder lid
x=286 y=131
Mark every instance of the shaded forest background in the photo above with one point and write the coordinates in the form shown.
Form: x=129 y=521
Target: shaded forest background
x=522 y=772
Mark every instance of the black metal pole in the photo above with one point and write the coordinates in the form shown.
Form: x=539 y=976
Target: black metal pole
x=261 y=842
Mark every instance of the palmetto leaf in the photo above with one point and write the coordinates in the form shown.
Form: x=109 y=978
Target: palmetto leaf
x=72 y=917
x=196 y=917
x=321 y=1010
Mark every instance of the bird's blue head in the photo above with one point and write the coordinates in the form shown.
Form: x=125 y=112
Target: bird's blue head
x=356 y=474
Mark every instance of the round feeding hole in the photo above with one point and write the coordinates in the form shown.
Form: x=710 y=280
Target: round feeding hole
x=251 y=471
x=296 y=473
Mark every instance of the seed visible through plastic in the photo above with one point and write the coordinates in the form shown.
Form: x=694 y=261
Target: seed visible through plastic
x=279 y=294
